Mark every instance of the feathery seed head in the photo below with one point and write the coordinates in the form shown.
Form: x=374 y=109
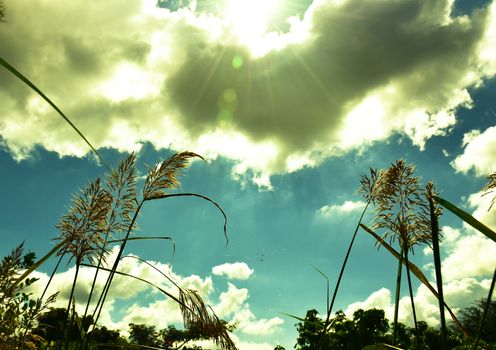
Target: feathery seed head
x=81 y=229
x=122 y=186
x=197 y=316
x=400 y=209
x=165 y=175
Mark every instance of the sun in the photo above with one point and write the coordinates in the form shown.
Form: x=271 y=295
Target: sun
x=250 y=18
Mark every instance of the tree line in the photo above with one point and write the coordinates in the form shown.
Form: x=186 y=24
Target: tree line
x=369 y=327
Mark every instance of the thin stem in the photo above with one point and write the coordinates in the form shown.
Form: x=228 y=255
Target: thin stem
x=208 y=200
x=54 y=106
x=437 y=265
x=104 y=294
x=69 y=309
x=411 y=293
x=93 y=288
x=397 y=299
x=53 y=274
x=343 y=266
x=486 y=309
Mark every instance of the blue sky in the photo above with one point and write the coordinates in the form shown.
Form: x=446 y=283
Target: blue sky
x=289 y=102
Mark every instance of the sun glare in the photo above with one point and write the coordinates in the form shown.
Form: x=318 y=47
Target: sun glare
x=250 y=18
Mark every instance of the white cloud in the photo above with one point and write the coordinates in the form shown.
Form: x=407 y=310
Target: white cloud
x=139 y=303
x=237 y=270
x=329 y=211
x=478 y=153
x=233 y=303
x=247 y=323
x=468 y=262
x=304 y=95
x=380 y=299
x=458 y=294
x=231 y=300
x=481 y=203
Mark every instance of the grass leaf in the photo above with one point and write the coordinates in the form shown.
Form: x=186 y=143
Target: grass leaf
x=39 y=263
x=469 y=219
x=54 y=106
x=417 y=272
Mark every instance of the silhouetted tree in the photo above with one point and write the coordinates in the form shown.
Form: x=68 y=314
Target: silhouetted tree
x=471 y=317
x=2 y=11
x=368 y=327
x=143 y=335
x=51 y=323
x=104 y=338
x=309 y=331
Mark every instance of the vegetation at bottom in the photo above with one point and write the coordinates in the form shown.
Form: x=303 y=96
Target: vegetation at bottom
x=50 y=323
x=102 y=218
x=368 y=327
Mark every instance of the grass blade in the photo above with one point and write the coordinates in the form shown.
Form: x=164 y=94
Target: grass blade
x=54 y=106
x=142 y=280
x=327 y=279
x=148 y=238
x=316 y=324
x=202 y=197
x=437 y=265
x=38 y=263
x=469 y=219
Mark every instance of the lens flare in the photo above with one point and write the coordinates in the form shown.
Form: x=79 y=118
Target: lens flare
x=250 y=18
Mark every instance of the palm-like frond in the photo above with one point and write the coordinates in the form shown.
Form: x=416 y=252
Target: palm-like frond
x=81 y=229
x=165 y=175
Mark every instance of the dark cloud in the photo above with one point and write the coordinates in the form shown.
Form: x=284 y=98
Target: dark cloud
x=126 y=74
x=299 y=95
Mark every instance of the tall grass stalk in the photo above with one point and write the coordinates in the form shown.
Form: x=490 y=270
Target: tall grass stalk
x=489 y=188
x=484 y=314
x=479 y=226
x=400 y=212
x=367 y=187
x=416 y=271
x=397 y=295
x=434 y=213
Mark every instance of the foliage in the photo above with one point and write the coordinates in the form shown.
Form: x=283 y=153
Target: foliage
x=309 y=331
x=471 y=318
x=368 y=327
x=2 y=12
x=51 y=322
x=143 y=335
x=18 y=311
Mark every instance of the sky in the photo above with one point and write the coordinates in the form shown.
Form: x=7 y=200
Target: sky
x=289 y=102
